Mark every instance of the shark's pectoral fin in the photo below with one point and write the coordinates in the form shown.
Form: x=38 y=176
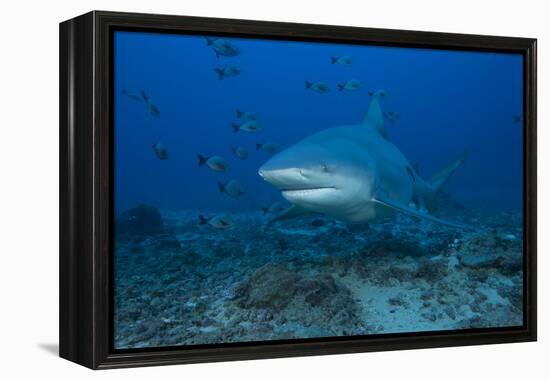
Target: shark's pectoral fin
x=291 y=212
x=412 y=212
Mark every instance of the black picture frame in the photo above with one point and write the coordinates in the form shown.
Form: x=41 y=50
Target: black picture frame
x=86 y=179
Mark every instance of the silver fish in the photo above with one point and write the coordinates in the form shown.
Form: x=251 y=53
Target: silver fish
x=136 y=97
x=250 y=126
x=221 y=222
x=233 y=188
x=245 y=115
x=319 y=87
x=160 y=151
x=390 y=116
x=215 y=163
x=350 y=85
x=228 y=71
x=240 y=152
x=342 y=60
x=153 y=110
x=222 y=47
x=267 y=147
x=380 y=94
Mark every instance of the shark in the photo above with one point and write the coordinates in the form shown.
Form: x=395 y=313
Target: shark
x=354 y=173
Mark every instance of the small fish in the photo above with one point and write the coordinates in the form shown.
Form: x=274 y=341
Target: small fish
x=342 y=60
x=350 y=85
x=250 y=126
x=210 y=40
x=319 y=87
x=517 y=118
x=274 y=208
x=221 y=222
x=240 y=152
x=153 y=110
x=267 y=147
x=380 y=94
x=228 y=71
x=136 y=97
x=222 y=47
x=392 y=117
x=233 y=188
x=160 y=151
x=216 y=163
x=245 y=115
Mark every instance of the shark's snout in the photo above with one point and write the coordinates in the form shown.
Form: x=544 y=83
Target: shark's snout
x=282 y=178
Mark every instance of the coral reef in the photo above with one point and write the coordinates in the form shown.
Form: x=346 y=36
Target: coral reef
x=181 y=284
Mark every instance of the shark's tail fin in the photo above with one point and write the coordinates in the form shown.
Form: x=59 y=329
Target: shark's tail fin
x=221 y=187
x=308 y=84
x=438 y=181
x=209 y=40
x=333 y=60
x=265 y=210
x=235 y=127
x=340 y=86
x=239 y=113
x=202 y=220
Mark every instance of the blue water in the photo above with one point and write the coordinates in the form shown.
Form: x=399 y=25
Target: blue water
x=448 y=101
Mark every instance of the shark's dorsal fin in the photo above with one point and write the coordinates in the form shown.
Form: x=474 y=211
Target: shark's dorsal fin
x=374 y=118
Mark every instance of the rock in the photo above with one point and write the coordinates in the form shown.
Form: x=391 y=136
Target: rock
x=514 y=295
x=139 y=222
x=430 y=316
x=277 y=294
x=318 y=290
x=398 y=300
x=450 y=311
x=270 y=286
x=359 y=228
x=317 y=223
x=401 y=273
x=493 y=251
x=167 y=243
x=432 y=270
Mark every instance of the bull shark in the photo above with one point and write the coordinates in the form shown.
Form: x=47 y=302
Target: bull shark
x=354 y=173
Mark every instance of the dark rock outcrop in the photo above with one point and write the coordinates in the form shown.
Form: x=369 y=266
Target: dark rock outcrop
x=139 y=222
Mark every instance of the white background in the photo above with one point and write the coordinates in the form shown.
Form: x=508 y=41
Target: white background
x=29 y=187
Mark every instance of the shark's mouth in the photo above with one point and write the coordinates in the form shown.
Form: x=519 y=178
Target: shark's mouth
x=308 y=191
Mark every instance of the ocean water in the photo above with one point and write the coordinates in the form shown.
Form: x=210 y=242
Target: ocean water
x=195 y=265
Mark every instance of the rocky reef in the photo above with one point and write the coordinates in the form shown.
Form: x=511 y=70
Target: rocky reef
x=177 y=283
x=139 y=222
